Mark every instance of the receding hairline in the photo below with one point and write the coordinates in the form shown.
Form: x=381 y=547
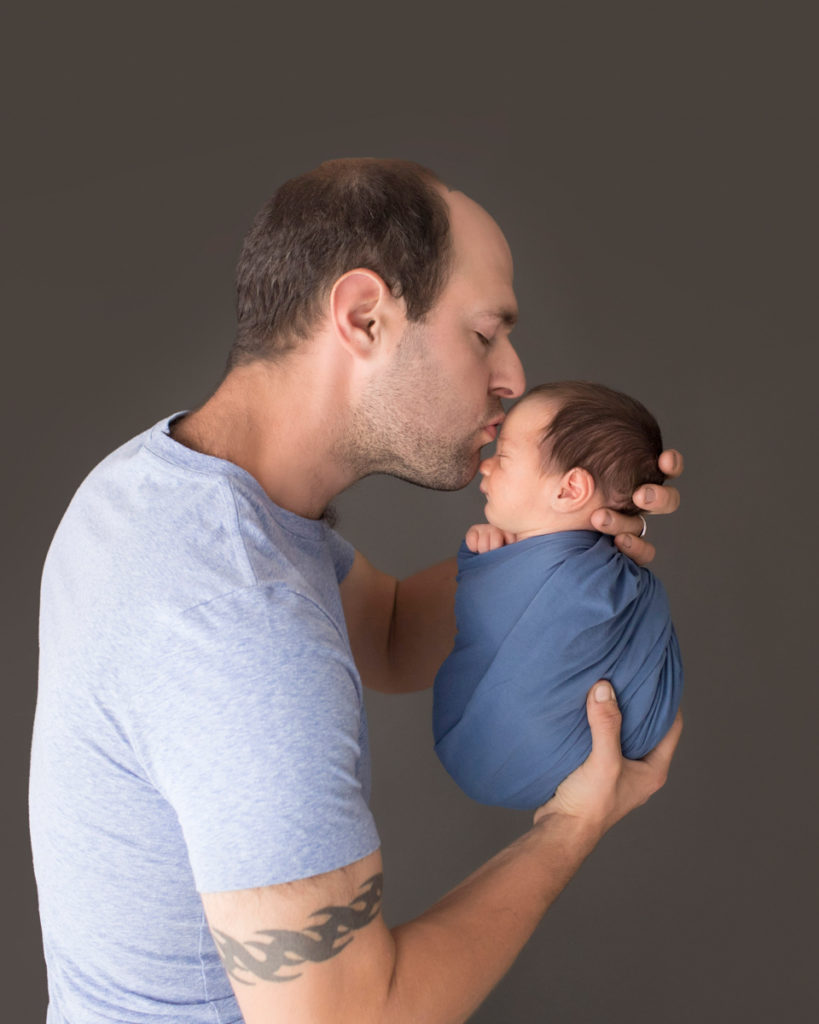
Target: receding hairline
x=469 y=207
x=391 y=216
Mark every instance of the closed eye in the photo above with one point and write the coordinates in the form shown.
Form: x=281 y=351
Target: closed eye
x=484 y=340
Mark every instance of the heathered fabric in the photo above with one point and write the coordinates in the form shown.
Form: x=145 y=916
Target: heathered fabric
x=199 y=727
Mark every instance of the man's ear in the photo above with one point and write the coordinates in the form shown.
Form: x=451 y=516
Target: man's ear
x=574 y=490
x=359 y=305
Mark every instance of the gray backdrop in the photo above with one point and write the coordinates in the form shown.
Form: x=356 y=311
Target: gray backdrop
x=653 y=168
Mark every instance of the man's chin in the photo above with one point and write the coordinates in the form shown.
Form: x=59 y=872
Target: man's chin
x=451 y=478
x=464 y=474
x=435 y=483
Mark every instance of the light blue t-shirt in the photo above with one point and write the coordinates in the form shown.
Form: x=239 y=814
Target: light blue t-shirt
x=200 y=727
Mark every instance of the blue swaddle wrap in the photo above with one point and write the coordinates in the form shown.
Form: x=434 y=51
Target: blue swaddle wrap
x=539 y=622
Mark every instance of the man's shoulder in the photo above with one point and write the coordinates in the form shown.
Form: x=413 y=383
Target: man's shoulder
x=274 y=615
x=166 y=522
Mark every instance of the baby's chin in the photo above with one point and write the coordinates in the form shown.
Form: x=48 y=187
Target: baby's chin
x=536 y=531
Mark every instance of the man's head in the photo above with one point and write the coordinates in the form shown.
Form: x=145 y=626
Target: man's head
x=388 y=216
x=386 y=299
x=425 y=417
x=566 y=449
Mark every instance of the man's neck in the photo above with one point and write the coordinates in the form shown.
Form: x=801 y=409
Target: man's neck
x=279 y=423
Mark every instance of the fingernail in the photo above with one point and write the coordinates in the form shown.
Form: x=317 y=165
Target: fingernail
x=649 y=496
x=626 y=542
x=603 y=692
x=605 y=520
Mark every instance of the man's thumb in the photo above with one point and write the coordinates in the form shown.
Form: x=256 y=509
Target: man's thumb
x=604 y=720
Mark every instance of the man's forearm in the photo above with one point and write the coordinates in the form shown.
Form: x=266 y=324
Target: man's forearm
x=325 y=937
x=449 y=959
x=438 y=968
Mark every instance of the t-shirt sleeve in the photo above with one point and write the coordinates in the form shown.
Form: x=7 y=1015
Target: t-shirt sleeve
x=253 y=731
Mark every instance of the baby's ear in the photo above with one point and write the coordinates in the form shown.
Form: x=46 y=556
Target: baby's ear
x=575 y=489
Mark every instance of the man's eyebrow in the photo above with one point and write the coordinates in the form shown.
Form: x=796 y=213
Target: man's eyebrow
x=506 y=315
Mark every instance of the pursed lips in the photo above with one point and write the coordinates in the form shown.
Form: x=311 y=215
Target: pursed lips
x=492 y=427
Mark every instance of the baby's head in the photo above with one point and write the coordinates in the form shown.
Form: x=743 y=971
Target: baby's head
x=565 y=450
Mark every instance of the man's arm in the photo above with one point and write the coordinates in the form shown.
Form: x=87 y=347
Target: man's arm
x=401 y=631
x=319 y=951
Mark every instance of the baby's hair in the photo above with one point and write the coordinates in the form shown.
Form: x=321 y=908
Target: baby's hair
x=612 y=436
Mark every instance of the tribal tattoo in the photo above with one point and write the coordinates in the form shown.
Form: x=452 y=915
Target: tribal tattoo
x=274 y=956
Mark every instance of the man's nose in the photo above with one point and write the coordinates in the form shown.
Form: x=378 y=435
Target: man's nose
x=508 y=379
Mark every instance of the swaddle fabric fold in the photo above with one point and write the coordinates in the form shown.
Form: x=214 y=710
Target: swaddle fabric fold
x=539 y=622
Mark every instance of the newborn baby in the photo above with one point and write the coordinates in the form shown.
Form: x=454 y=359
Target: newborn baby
x=546 y=606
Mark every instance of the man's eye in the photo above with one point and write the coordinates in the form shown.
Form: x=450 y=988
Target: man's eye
x=484 y=340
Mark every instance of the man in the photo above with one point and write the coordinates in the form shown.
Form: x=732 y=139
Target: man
x=202 y=840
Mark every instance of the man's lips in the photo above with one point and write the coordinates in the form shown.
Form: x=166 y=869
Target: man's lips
x=492 y=428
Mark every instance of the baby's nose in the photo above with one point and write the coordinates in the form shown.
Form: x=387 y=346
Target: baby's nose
x=483 y=469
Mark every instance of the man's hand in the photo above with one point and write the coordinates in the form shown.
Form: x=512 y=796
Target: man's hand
x=654 y=499
x=483 y=537
x=607 y=785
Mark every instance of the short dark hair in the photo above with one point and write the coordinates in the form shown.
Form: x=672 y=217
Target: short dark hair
x=384 y=215
x=609 y=434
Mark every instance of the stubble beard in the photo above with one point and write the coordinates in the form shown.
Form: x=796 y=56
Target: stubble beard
x=393 y=428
